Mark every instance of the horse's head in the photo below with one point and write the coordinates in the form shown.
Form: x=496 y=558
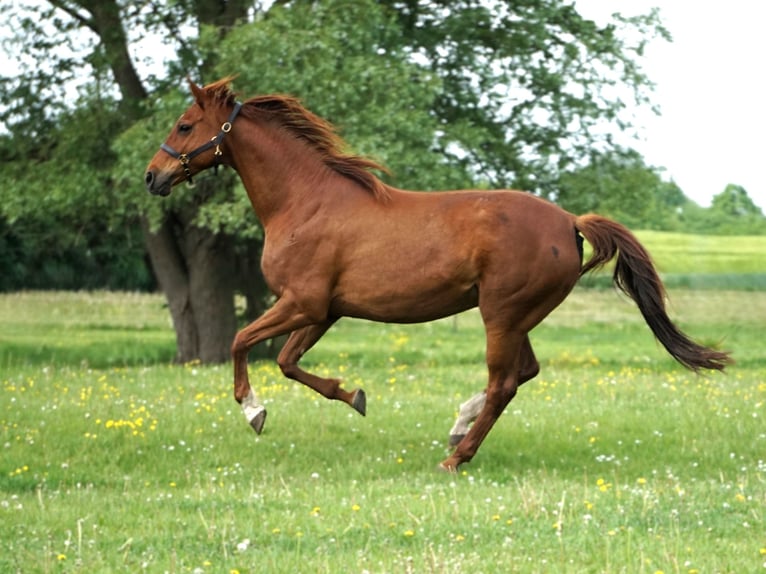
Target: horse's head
x=195 y=142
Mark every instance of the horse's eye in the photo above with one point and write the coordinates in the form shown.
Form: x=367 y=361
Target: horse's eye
x=184 y=128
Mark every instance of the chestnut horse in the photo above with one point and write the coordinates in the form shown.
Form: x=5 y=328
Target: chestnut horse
x=339 y=242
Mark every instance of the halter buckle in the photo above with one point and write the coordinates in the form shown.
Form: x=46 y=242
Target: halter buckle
x=217 y=153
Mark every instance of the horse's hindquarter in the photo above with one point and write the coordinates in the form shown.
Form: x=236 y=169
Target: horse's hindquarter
x=425 y=255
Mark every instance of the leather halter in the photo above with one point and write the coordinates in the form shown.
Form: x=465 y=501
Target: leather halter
x=215 y=142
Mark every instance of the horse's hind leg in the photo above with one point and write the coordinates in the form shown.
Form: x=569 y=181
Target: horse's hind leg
x=297 y=345
x=470 y=409
x=503 y=362
x=467 y=413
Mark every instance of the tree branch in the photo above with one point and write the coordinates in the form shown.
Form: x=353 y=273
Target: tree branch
x=74 y=13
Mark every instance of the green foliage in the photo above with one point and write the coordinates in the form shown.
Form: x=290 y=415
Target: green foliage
x=67 y=179
x=57 y=207
x=732 y=213
x=612 y=459
x=31 y=257
x=526 y=85
x=619 y=184
x=447 y=94
x=734 y=202
x=349 y=64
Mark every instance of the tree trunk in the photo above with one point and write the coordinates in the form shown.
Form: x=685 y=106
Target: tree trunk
x=193 y=268
x=170 y=270
x=211 y=287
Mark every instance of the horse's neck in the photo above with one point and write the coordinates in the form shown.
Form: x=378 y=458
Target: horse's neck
x=277 y=172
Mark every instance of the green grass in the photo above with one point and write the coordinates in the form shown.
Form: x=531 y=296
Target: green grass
x=684 y=253
x=613 y=460
x=88 y=329
x=699 y=262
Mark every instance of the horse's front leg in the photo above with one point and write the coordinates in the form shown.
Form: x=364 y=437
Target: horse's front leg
x=297 y=345
x=282 y=318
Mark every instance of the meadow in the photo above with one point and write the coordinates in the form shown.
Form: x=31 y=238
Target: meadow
x=614 y=459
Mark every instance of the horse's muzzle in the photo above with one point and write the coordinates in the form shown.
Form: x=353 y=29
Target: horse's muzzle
x=156 y=185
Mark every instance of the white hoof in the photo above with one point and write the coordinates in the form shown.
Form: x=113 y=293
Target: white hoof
x=254 y=412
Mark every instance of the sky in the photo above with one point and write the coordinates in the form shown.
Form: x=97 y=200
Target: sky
x=711 y=89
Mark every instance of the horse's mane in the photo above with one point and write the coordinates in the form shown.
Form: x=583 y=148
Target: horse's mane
x=290 y=114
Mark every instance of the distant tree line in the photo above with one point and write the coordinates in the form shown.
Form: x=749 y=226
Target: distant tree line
x=620 y=185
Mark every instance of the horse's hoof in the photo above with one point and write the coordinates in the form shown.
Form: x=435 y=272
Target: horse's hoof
x=447 y=467
x=360 y=402
x=454 y=439
x=258 y=421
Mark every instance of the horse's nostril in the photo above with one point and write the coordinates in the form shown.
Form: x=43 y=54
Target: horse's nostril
x=149 y=178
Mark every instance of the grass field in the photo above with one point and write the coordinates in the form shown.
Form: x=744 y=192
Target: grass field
x=682 y=253
x=703 y=262
x=614 y=459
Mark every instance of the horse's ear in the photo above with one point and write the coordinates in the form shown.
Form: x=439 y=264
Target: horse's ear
x=197 y=92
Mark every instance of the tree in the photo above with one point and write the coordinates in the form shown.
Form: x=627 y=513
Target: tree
x=192 y=263
x=348 y=64
x=620 y=185
x=527 y=85
x=55 y=207
x=447 y=93
x=734 y=202
x=733 y=212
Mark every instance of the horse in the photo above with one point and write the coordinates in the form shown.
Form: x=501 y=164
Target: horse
x=339 y=242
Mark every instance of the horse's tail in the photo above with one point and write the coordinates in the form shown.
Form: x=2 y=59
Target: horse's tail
x=634 y=274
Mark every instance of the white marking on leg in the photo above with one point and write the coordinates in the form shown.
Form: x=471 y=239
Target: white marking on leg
x=468 y=412
x=251 y=406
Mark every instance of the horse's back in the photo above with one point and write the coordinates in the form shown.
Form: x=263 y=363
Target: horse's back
x=501 y=227
x=424 y=255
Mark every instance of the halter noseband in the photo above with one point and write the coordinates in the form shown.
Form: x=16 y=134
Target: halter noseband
x=215 y=142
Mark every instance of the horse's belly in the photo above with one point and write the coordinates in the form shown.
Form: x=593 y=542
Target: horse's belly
x=395 y=305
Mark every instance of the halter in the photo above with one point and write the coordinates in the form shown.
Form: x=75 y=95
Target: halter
x=215 y=142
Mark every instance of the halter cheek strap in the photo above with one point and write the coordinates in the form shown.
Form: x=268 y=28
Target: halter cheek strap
x=215 y=142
